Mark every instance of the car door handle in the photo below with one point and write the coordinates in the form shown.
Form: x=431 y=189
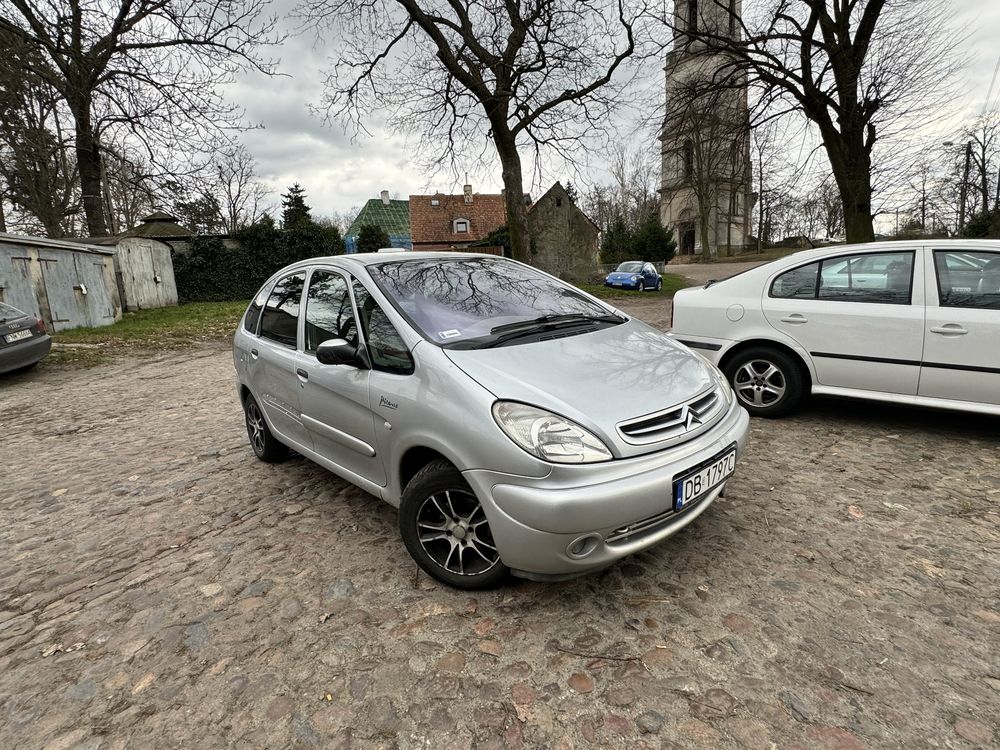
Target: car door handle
x=949 y=329
x=253 y=353
x=303 y=375
x=795 y=319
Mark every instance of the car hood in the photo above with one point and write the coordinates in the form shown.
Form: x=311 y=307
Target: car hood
x=597 y=379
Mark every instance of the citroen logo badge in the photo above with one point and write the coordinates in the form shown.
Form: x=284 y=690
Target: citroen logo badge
x=690 y=419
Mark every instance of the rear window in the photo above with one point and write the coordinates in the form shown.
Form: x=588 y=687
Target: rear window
x=453 y=301
x=7 y=312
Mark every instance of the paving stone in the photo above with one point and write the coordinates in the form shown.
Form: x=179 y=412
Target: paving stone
x=845 y=628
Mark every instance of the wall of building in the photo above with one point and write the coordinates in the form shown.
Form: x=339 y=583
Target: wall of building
x=715 y=127
x=145 y=273
x=64 y=284
x=564 y=240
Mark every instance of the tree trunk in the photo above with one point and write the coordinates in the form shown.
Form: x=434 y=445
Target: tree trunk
x=850 y=160
x=3 y=219
x=513 y=185
x=88 y=158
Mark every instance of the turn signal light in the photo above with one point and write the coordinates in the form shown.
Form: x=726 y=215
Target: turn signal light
x=40 y=326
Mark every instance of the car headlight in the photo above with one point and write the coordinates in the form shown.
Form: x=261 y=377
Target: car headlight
x=635 y=278
x=720 y=376
x=548 y=436
x=727 y=390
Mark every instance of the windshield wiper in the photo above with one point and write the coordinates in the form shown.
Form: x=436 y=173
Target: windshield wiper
x=550 y=321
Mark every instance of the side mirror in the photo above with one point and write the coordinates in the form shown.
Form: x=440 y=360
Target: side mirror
x=337 y=352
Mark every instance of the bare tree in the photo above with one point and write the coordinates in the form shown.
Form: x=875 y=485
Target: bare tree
x=153 y=67
x=234 y=181
x=631 y=195
x=851 y=67
x=35 y=160
x=984 y=139
x=456 y=72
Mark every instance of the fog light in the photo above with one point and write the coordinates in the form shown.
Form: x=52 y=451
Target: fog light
x=582 y=547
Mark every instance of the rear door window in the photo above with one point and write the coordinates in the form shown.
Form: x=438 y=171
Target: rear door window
x=280 y=316
x=968 y=278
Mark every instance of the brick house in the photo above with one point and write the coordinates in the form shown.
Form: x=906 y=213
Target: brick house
x=564 y=241
x=453 y=222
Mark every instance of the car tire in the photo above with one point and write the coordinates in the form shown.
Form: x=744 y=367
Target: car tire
x=439 y=514
x=265 y=445
x=642 y=286
x=767 y=382
x=659 y=284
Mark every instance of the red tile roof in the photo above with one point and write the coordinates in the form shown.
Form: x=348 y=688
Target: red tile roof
x=434 y=223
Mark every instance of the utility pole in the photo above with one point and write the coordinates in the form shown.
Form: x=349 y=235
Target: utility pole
x=965 y=187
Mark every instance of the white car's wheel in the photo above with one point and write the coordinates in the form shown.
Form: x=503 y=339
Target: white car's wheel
x=767 y=382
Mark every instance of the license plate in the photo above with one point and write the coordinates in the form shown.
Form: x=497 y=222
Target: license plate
x=616 y=283
x=696 y=484
x=10 y=338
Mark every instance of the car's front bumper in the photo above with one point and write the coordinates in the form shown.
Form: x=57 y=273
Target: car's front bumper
x=24 y=353
x=535 y=520
x=633 y=285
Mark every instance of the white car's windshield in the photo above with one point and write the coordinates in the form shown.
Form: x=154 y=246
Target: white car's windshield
x=472 y=302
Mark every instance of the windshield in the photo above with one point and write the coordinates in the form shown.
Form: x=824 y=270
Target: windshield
x=633 y=266
x=462 y=302
x=9 y=313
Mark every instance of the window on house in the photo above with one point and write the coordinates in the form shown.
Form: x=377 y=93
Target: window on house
x=692 y=16
x=558 y=201
x=687 y=156
x=460 y=226
x=734 y=203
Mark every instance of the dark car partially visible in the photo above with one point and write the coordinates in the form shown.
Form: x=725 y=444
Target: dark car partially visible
x=23 y=340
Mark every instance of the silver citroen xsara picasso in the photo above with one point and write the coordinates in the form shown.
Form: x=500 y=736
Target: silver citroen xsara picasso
x=519 y=424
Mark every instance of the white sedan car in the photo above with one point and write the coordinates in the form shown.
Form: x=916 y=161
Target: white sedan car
x=906 y=322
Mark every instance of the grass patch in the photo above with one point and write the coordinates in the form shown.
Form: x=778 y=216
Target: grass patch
x=672 y=282
x=163 y=328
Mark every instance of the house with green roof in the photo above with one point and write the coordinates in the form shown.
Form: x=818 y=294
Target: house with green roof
x=391 y=216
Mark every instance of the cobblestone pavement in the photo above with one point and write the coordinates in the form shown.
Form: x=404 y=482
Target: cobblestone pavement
x=160 y=588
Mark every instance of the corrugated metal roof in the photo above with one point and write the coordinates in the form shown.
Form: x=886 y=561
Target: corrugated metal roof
x=23 y=239
x=392 y=218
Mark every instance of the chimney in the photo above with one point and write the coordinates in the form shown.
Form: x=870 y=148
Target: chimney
x=467 y=190
x=385 y=197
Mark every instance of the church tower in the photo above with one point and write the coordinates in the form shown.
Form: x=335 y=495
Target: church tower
x=705 y=189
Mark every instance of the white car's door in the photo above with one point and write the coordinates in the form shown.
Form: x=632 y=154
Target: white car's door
x=962 y=335
x=867 y=335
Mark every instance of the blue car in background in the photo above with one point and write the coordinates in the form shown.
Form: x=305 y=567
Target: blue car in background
x=634 y=274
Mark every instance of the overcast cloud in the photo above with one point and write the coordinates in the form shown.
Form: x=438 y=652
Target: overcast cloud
x=338 y=173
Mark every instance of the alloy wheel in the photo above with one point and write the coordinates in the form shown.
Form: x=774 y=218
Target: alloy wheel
x=455 y=534
x=255 y=427
x=758 y=382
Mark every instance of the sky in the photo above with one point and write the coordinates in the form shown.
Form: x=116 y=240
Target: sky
x=339 y=172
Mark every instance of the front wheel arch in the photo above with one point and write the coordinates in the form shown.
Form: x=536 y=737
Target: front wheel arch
x=792 y=385
x=733 y=352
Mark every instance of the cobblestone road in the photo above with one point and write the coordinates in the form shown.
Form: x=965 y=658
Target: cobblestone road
x=161 y=588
